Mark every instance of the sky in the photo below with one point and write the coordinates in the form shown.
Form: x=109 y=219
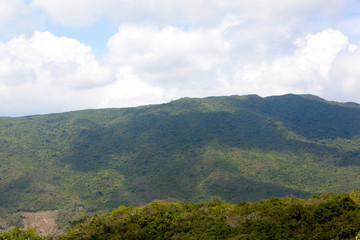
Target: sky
x=58 y=56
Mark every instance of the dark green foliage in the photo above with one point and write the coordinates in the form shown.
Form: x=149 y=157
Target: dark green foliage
x=340 y=122
x=238 y=148
x=18 y=234
x=327 y=217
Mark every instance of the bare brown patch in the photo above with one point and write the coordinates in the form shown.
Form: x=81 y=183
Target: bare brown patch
x=43 y=221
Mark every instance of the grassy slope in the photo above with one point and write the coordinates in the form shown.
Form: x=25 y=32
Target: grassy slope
x=240 y=148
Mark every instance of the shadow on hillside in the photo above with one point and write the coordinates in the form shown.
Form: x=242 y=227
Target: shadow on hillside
x=313 y=117
x=149 y=136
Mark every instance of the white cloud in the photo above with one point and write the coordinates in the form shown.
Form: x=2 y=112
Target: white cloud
x=83 y=12
x=170 y=56
x=46 y=72
x=345 y=76
x=349 y=27
x=9 y=9
x=164 y=50
x=59 y=61
x=128 y=90
x=307 y=70
x=279 y=9
x=203 y=62
x=76 y=13
x=151 y=64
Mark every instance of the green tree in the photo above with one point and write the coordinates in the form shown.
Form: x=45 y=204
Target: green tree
x=19 y=234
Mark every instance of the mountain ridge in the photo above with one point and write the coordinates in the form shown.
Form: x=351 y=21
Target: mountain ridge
x=236 y=148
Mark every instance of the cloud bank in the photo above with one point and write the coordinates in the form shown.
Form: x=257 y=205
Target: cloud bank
x=163 y=51
x=83 y=12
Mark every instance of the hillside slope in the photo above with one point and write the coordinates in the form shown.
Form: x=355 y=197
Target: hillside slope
x=324 y=217
x=328 y=216
x=238 y=148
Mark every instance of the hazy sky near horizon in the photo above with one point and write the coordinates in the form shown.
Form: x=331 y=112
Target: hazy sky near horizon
x=58 y=56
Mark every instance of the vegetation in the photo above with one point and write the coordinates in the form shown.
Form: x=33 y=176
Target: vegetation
x=18 y=234
x=328 y=216
x=325 y=217
x=233 y=149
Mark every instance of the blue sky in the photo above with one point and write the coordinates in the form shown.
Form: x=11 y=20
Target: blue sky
x=94 y=35
x=58 y=56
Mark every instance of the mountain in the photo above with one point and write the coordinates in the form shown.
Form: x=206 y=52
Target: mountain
x=234 y=149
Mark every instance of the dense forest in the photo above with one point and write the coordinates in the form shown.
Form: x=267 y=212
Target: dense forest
x=328 y=216
x=233 y=149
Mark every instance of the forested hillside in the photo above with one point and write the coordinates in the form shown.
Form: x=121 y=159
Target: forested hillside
x=327 y=216
x=234 y=149
x=323 y=217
